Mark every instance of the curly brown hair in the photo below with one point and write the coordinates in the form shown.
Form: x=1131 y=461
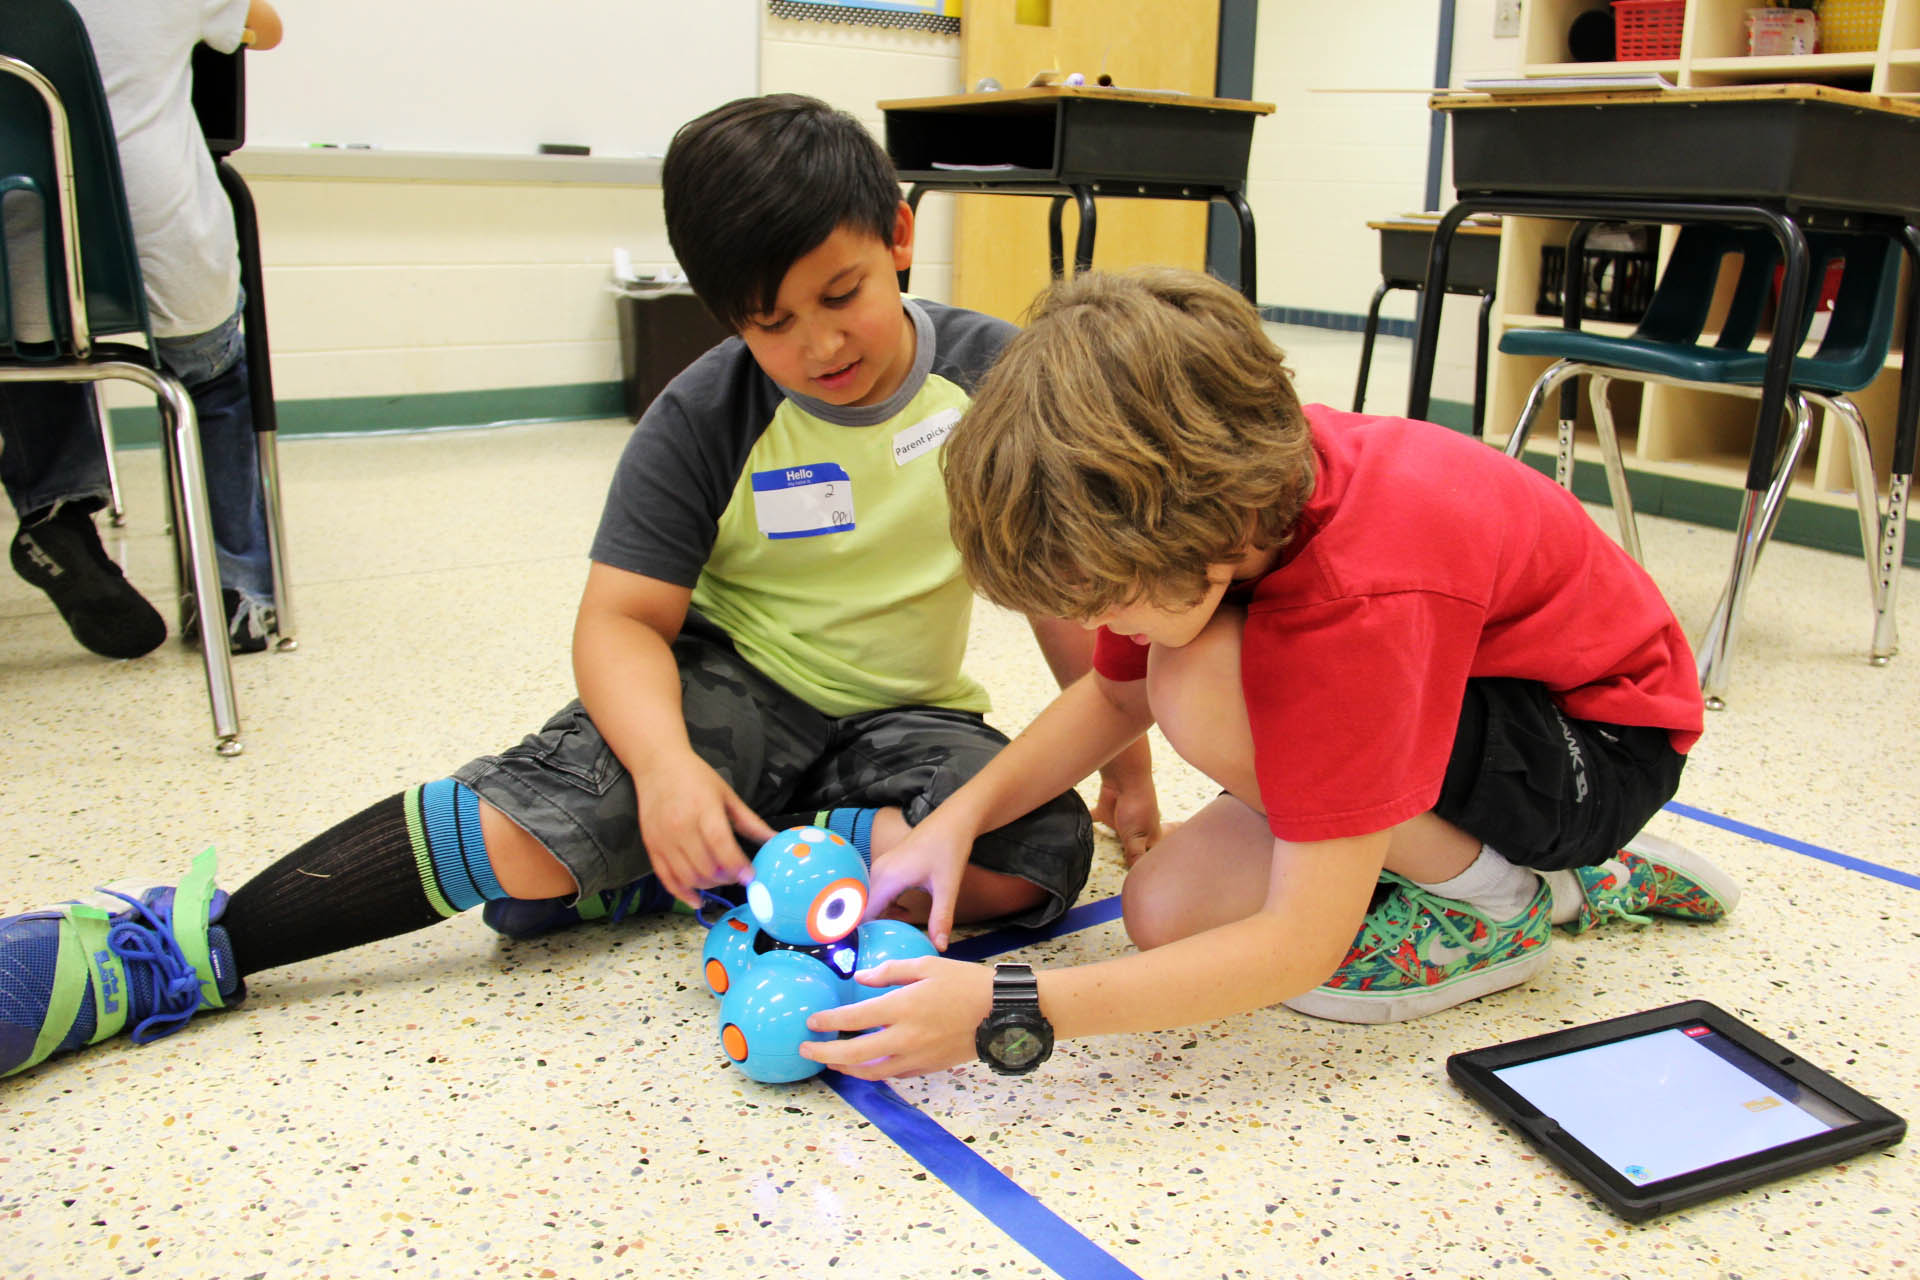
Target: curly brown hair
x=1141 y=428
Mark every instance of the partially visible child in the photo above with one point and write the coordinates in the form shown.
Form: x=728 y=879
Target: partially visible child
x=1440 y=702
x=53 y=462
x=771 y=633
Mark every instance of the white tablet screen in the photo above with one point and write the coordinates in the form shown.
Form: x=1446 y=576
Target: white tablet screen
x=1667 y=1103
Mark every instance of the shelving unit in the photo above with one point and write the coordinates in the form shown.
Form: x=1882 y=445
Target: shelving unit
x=1669 y=433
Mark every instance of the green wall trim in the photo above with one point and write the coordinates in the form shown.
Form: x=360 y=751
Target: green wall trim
x=1807 y=524
x=1717 y=506
x=140 y=425
x=1457 y=414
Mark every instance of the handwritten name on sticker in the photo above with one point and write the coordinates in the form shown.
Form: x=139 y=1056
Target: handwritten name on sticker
x=803 y=501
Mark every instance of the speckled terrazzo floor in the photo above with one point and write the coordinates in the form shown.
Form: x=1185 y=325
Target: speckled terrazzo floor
x=448 y=1105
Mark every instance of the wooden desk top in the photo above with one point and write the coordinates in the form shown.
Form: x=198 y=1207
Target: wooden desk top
x=1467 y=228
x=1157 y=97
x=1677 y=97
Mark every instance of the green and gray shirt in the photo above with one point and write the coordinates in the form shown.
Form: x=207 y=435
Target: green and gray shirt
x=814 y=535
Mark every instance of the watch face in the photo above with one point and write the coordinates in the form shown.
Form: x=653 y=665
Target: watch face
x=1015 y=1046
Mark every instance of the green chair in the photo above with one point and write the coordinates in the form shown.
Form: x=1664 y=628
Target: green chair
x=59 y=156
x=1670 y=346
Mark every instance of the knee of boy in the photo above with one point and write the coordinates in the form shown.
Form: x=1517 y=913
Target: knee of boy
x=1149 y=923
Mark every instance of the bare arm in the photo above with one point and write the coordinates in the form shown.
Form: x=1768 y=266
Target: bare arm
x=1317 y=894
x=1087 y=723
x=1128 y=802
x=263 y=30
x=624 y=667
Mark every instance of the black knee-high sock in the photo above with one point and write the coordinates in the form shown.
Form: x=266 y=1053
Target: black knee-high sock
x=370 y=877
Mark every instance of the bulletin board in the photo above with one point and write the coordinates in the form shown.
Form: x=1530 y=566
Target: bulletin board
x=486 y=76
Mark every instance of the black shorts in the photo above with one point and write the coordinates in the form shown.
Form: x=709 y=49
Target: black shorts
x=1546 y=790
x=565 y=786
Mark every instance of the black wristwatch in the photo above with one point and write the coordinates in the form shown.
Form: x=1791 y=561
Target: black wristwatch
x=1014 y=1037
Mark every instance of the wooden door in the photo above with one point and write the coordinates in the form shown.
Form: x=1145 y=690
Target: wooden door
x=1000 y=242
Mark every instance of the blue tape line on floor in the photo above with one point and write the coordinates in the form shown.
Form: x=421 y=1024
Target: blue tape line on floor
x=1001 y=941
x=1032 y=1225
x=1761 y=834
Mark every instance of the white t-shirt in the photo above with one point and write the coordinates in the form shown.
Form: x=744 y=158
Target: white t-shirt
x=182 y=221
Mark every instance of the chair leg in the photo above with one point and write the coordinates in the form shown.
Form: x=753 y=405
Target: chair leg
x=1841 y=409
x=1759 y=512
x=1597 y=385
x=116 y=509
x=194 y=559
x=285 y=638
x=1893 y=541
x=1556 y=373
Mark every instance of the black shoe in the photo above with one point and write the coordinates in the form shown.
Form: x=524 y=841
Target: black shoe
x=248 y=625
x=61 y=554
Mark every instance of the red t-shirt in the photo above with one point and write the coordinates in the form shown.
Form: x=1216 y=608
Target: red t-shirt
x=1425 y=557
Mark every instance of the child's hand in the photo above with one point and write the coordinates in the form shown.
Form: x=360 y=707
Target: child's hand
x=1128 y=802
x=931 y=858
x=688 y=817
x=925 y=1026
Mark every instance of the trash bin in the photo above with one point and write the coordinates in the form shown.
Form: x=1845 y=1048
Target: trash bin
x=663 y=329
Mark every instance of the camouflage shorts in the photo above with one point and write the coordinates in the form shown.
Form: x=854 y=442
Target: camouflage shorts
x=566 y=787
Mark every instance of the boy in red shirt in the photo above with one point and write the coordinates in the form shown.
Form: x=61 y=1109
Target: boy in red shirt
x=1440 y=702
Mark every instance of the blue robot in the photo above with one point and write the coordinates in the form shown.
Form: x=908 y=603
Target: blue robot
x=792 y=950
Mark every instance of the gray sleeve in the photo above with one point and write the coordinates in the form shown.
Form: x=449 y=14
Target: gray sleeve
x=968 y=343
x=678 y=471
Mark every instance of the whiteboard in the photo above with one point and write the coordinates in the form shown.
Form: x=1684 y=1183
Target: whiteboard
x=496 y=77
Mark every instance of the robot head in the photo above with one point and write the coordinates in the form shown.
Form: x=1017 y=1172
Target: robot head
x=809 y=887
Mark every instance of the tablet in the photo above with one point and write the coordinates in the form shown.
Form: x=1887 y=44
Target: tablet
x=1659 y=1110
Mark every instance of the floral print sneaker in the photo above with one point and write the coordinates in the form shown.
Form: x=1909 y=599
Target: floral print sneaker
x=1417 y=953
x=1653 y=877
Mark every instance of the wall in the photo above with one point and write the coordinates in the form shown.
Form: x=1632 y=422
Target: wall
x=1347 y=145
x=397 y=303
x=856 y=67
x=402 y=303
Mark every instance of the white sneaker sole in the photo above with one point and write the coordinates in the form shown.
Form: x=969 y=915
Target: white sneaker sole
x=1361 y=1006
x=1723 y=887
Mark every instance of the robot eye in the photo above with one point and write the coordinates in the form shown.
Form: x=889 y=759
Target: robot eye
x=836 y=910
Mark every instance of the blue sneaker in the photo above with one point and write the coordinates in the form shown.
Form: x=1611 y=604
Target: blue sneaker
x=1417 y=953
x=529 y=918
x=142 y=958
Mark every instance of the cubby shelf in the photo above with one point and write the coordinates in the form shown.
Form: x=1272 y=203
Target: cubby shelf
x=1669 y=433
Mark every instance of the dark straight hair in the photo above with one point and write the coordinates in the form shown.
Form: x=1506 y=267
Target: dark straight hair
x=753 y=186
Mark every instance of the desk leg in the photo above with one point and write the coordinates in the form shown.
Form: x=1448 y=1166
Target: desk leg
x=1249 y=269
x=1893 y=536
x=1056 y=250
x=1480 y=368
x=1083 y=240
x=1366 y=345
x=1083 y=243
x=1433 y=297
x=1767 y=467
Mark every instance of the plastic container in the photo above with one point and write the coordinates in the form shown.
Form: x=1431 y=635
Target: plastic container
x=1647 y=30
x=1773 y=33
x=1850 y=26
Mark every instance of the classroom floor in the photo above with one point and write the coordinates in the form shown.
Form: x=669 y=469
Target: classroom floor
x=449 y=1104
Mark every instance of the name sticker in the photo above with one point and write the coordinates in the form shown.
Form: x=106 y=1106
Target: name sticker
x=923 y=436
x=804 y=501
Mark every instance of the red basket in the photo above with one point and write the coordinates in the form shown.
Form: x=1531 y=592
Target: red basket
x=1644 y=30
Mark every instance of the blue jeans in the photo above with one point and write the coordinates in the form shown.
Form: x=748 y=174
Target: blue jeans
x=53 y=452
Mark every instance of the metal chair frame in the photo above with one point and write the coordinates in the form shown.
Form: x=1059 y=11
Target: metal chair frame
x=80 y=358
x=1882 y=531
